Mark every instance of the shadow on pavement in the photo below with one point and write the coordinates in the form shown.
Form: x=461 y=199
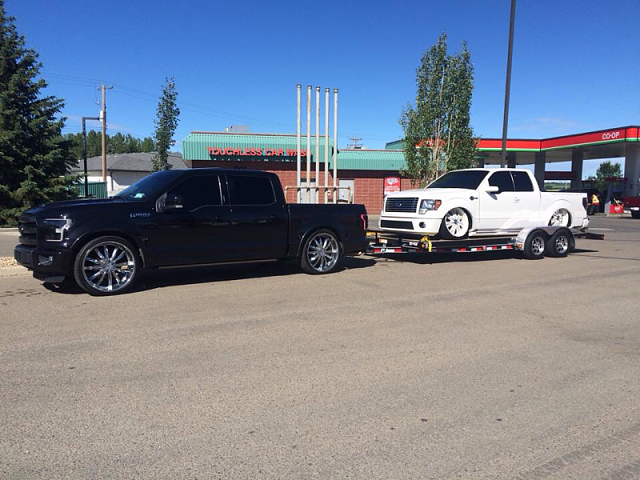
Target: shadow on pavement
x=191 y=275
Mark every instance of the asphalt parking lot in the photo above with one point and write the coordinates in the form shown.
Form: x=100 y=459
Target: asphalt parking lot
x=476 y=366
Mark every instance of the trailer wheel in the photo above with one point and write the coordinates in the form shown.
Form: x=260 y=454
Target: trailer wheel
x=534 y=246
x=635 y=215
x=321 y=252
x=559 y=244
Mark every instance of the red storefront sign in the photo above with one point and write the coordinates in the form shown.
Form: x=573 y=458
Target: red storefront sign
x=391 y=185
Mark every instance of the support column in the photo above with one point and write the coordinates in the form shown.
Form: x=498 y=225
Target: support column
x=632 y=171
x=511 y=160
x=480 y=162
x=577 y=158
x=540 y=161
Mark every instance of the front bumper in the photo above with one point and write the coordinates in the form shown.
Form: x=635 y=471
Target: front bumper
x=45 y=263
x=421 y=225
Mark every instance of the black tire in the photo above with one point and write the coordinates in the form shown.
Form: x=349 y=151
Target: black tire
x=635 y=215
x=446 y=232
x=559 y=244
x=534 y=245
x=116 y=268
x=320 y=253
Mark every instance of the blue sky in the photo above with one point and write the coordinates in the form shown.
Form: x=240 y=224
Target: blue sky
x=239 y=62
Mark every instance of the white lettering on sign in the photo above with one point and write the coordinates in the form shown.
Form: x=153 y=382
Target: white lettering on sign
x=610 y=135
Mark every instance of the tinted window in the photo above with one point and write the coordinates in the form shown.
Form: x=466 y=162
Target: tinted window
x=250 y=190
x=148 y=186
x=198 y=191
x=522 y=182
x=502 y=180
x=461 y=179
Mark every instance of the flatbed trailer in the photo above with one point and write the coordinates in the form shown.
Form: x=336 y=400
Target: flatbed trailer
x=534 y=243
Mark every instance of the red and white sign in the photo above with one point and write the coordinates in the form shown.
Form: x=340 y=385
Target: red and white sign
x=391 y=185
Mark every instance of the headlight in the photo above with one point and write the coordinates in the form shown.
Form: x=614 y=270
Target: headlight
x=426 y=205
x=54 y=228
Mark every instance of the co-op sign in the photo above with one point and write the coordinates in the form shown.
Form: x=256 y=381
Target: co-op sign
x=611 y=135
x=249 y=154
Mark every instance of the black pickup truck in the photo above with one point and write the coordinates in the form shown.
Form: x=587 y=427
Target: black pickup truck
x=184 y=217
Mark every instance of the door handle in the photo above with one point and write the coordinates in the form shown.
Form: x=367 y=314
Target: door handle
x=516 y=200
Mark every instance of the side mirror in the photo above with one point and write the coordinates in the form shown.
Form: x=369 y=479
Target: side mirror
x=492 y=189
x=172 y=201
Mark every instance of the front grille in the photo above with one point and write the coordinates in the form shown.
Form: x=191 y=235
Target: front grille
x=28 y=230
x=403 y=205
x=396 y=224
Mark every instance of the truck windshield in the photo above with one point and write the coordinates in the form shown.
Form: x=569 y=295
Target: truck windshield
x=469 y=179
x=148 y=186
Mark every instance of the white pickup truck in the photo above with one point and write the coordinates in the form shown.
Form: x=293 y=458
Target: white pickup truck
x=479 y=202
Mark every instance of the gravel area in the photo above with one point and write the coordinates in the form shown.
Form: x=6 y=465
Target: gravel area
x=7 y=262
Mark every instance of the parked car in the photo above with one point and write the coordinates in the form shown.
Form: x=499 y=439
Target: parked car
x=184 y=217
x=477 y=202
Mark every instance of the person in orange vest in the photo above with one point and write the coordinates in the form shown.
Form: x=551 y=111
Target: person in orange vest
x=595 y=204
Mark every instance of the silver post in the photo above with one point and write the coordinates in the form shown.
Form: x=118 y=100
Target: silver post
x=326 y=146
x=308 y=143
x=316 y=157
x=298 y=146
x=335 y=145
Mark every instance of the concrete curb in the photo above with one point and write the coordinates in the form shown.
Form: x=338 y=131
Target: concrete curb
x=9 y=230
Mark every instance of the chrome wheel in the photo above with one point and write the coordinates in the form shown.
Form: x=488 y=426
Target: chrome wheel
x=323 y=252
x=562 y=244
x=560 y=218
x=456 y=222
x=537 y=246
x=108 y=266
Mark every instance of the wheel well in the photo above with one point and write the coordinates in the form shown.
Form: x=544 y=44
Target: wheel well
x=94 y=235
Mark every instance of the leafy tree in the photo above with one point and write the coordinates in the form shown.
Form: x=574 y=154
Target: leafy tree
x=166 y=124
x=437 y=133
x=34 y=157
x=606 y=170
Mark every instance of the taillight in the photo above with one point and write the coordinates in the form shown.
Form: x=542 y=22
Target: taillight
x=365 y=221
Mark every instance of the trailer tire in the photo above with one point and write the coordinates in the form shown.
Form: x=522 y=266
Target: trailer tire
x=534 y=245
x=635 y=215
x=559 y=244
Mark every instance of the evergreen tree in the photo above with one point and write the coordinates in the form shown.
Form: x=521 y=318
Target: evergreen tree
x=437 y=133
x=147 y=145
x=166 y=124
x=34 y=157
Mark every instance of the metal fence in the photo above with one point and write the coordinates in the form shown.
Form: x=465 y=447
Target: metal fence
x=95 y=189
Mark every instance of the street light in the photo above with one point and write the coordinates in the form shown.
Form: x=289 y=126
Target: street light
x=505 y=120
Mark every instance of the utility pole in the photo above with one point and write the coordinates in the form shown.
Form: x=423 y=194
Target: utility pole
x=84 y=152
x=103 y=116
x=505 y=121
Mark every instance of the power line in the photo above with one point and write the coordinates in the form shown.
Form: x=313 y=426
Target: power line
x=183 y=105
